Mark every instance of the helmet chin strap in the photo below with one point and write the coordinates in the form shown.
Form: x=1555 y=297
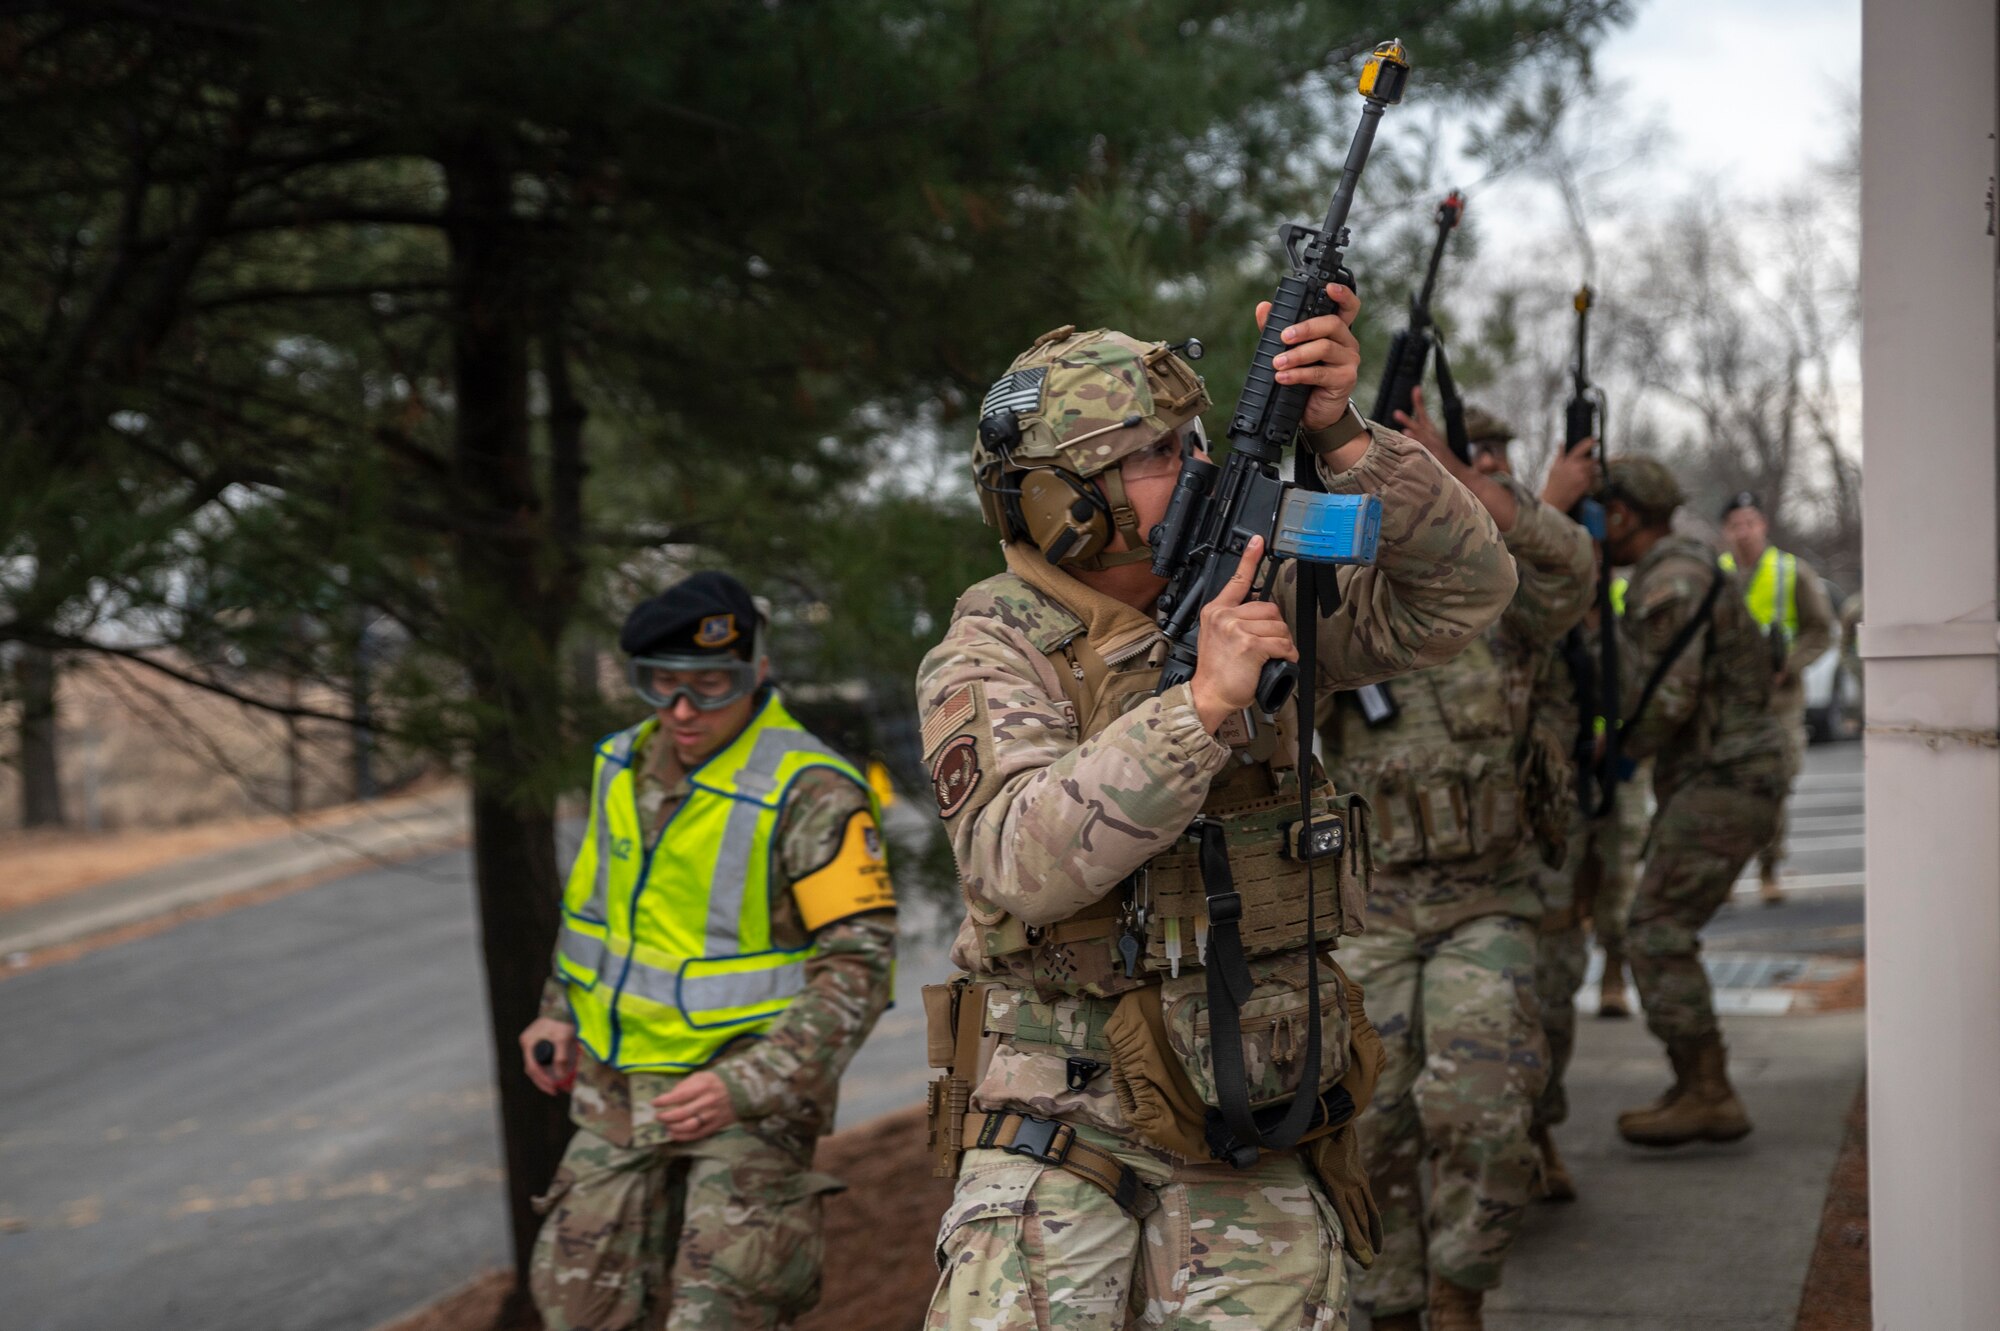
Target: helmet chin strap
x=1123 y=520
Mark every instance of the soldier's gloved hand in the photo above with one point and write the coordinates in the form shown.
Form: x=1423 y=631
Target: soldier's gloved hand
x=1237 y=637
x=1321 y=352
x=557 y=1076
x=1337 y=1162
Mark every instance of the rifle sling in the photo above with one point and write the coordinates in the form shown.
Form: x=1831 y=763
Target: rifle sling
x=1703 y=618
x=1229 y=982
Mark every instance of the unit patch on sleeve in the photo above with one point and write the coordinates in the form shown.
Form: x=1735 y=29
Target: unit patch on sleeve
x=955 y=774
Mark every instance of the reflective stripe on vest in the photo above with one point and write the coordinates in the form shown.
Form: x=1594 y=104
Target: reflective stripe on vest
x=667 y=952
x=1774 y=584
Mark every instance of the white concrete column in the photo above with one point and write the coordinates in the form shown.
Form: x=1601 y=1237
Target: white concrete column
x=1930 y=100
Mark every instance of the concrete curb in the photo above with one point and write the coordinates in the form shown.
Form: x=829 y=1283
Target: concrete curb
x=377 y=835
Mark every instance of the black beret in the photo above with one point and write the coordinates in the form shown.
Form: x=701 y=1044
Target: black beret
x=709 y=612
x=1741 y=499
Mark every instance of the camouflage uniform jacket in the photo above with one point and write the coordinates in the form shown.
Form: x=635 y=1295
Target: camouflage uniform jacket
x=1818 y=630
x=1710 y=719
x=784 y=1085
x=1050 y=819
x=1459 y=750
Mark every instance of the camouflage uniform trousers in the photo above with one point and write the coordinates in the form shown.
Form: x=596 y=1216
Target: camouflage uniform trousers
x=1561 y=959
x=1032 y=1247
x=1594 y=881
x=720 y=1232
x=1791 y=716
x=1466 y=1059
x=1618 y=846
x=1702 y=837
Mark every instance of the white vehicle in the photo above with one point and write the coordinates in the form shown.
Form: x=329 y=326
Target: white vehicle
x=1833 y=697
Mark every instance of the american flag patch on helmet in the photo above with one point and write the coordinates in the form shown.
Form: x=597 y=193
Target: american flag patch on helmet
x=1019 y=391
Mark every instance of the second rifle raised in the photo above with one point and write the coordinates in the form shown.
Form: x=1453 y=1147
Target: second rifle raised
x=1410 y=350
x=1593 y=676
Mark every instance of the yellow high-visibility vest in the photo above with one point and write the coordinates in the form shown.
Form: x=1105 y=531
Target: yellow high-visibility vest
x=1618 y=586
x=1775 y=584
x=667 y=953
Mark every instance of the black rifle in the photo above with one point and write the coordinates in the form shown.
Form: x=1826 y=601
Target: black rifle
x=1216 y=509
x=1595 y=681
x=1210 y=520
x=1410 y=350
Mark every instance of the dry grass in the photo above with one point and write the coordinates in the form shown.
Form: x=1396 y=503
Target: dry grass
x=139 y=750
x=41 y=865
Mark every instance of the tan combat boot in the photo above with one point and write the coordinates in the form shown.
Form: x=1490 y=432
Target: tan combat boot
x=1409 y=1321
x=1455 y=1308
x=1677 y=1056
x=1768 y=890
x=1552 y=1180
x=1612 y=999
x=1706 y=1109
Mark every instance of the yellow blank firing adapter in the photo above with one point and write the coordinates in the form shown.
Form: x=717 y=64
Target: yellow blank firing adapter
x=1386 y=74
x=1582 y=300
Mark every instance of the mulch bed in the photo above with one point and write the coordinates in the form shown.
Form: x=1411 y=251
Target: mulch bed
x=1838 y=1295
x=879 y=1267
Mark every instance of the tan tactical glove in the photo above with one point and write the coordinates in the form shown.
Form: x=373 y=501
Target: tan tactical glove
x=1336 y=1160
x=1366 y=1057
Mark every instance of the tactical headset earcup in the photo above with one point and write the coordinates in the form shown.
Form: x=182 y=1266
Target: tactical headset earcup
x=1060 y=519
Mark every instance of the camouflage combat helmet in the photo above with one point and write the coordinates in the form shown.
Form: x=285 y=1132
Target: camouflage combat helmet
x=1483 y=427
x=1077 y=404
x=1646 y=484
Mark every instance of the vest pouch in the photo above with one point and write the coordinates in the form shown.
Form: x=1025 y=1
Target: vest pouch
x=1270 y=878
x=1274 y=1030
x=1471 y=694
x=1153 y=1091
x=1395 y=816
x=1444 y=806
x=940 y=1024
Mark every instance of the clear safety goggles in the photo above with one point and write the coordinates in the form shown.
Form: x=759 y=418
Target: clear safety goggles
x=707 y=682
x=1164 y=455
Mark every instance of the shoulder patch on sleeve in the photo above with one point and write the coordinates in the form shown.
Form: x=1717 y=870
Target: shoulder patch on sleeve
x=955 y=774
x=949 y=716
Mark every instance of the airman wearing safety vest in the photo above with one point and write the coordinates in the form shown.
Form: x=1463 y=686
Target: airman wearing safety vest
x=727 y=943
x=1787 y=601
x=1115 y=841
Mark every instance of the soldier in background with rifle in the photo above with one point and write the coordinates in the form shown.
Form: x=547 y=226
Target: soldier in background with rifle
x=1789 y=604
x=1697 y=666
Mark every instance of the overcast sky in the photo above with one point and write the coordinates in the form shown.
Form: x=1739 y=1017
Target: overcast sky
x=1748 y=94
x=1748 y=88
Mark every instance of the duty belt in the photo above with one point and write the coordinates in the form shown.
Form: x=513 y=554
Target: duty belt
x=1051 y=1143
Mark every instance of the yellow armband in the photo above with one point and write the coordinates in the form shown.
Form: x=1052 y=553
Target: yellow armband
x=854 y=880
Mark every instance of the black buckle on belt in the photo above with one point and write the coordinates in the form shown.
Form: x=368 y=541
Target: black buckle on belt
x=1225 y=908
x=1034 y=1138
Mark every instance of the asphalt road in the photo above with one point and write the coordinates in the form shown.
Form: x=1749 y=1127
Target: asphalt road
x=280 y=1118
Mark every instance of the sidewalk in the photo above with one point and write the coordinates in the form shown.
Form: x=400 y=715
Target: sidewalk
x=381 y=833
x=1715 y=1237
